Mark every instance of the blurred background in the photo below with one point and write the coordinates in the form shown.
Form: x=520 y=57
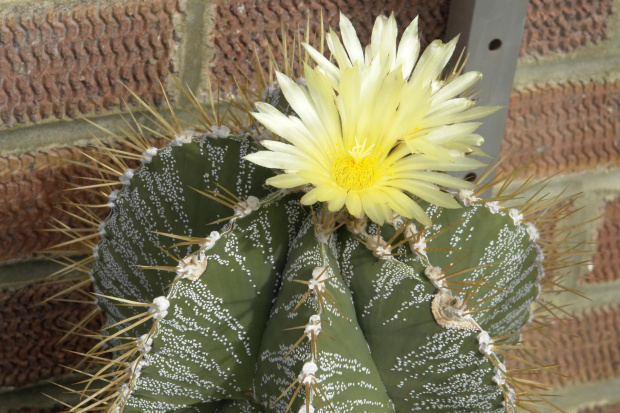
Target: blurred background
x=63 y=59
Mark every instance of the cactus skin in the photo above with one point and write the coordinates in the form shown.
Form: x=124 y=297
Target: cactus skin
x=221 y=343
x=226 y=307
x=159 y=197
x=344 y=358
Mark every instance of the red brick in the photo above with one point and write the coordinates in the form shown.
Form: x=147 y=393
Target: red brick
x=32 y=188
x=572 y=126
x=585 y=348
x=563 y=26
x=29 y=334
x=30 y=197
x=241 y=26
x=606 y=261
x=66 y=60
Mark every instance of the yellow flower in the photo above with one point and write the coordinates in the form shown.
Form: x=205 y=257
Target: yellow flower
x=373 y=129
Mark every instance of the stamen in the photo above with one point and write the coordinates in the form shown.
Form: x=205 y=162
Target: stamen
x=355 y=174
x=358 y=167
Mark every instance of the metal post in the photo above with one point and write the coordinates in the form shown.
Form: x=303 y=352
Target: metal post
x=491 y=32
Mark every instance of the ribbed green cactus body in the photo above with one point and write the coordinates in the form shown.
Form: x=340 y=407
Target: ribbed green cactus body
x=160 y=198
x=224 y=406
x=505 y=255
x=347 y=373
x=207 y=346
x=425 y=366
x=224 y=340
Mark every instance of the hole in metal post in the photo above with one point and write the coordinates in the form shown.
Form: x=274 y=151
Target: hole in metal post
x=470 y=177
x=495 y=44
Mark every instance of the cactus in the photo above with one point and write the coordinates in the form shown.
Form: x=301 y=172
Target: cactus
x=224 y=295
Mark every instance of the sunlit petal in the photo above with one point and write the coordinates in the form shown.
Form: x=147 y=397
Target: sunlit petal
x=408 y=49
x=290 y=180
x=354 y=203
x=333 y=42
x=350 y=40
x=328 y=67
x=274 y=160
x=456 y=87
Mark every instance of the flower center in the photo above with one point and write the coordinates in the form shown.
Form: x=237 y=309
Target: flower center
x=358 y=166
x=356 y=174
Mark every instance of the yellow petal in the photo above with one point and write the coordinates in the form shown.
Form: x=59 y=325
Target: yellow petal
x=350 y=40
x=324 y=101
x=472 y=114
x=270 y=159
x=333 y=42
x=438 y=178
x=405 y=206
x=328 y=67
x=429 y=193
x=408 y=49
x=289 y=180
x=336 y=202
x=433 y=61
x=457 y=86
x=305 y=109
x=375 y=211
x=354 y=204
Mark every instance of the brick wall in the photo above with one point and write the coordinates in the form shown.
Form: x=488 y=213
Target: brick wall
x=62 y=59
x=564 y=109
